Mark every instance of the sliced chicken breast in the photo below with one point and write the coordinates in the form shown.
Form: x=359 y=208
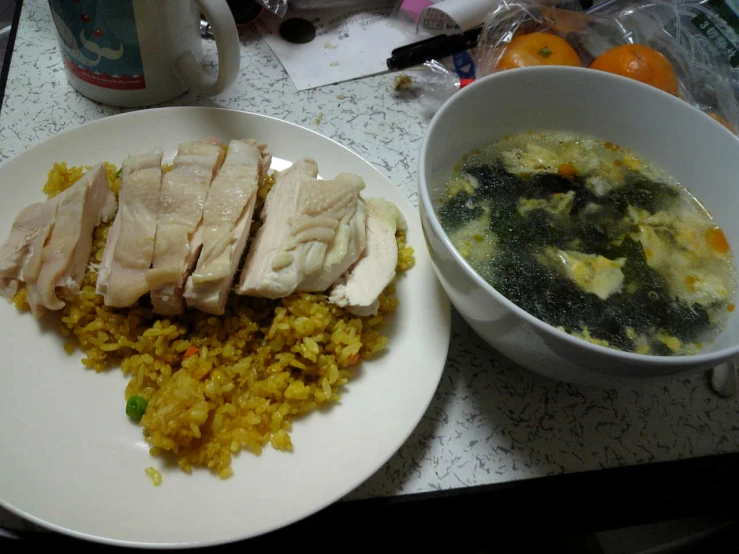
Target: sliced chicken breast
x=333 y=205
x=28 y=234
x=178 y=236
x=359 y=289
x=130 y=246
x=64 y=258
x=312 y=232
x=264 y=274
x=227 y=218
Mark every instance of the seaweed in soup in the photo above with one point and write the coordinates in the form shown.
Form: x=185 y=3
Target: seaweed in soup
x=457 y=210
x=569 y=216
x=548 y=296
x=643 y=193
x=553 y=183
x=493 y=181
x=637 y=273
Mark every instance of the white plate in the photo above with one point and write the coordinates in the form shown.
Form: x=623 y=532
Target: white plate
x=72 y=461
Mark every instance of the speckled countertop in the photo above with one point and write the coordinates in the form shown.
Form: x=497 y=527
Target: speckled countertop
x=490 y=421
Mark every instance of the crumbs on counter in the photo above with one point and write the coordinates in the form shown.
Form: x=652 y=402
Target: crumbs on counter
x=329 y=46
x=403 y=83
x=341 y=97
x=319 y=119
x=334 y=64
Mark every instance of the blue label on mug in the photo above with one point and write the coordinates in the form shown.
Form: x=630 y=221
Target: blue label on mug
x=99 y=42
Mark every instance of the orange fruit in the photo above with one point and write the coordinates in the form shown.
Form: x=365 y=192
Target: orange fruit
x=641 y=63
x=537 y=49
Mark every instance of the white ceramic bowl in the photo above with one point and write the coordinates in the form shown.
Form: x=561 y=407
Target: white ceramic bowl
x=696 y=150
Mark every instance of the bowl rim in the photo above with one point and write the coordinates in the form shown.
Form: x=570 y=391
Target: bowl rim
x=680 y=361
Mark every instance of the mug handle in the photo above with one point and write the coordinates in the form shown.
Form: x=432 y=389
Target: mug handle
x=226 y=35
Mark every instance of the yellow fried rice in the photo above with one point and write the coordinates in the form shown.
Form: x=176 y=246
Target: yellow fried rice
x=218 y=385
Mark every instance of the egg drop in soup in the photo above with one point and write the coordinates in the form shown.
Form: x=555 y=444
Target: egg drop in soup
x=591 y=239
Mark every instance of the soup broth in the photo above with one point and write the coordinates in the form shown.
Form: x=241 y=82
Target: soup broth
x=589 y=238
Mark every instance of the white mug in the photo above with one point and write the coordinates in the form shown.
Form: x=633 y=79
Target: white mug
x=134 y=53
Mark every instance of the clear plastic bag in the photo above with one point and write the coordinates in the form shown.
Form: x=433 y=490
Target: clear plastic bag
x=717 y=23
x=277 y=7
x=704 y=73
x=430 y=84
